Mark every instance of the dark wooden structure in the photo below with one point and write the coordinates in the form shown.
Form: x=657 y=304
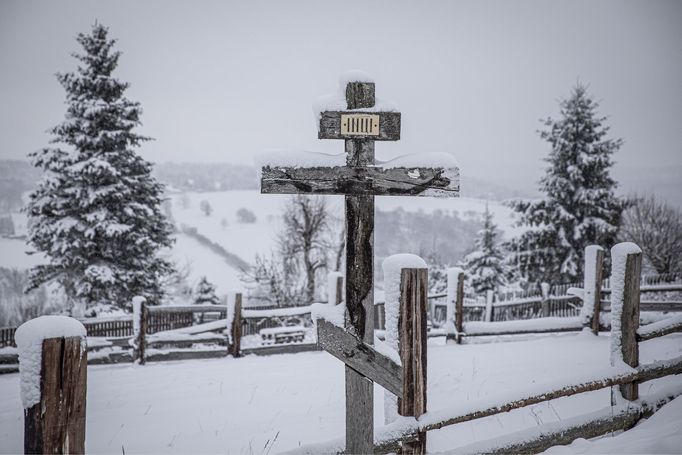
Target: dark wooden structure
x=360 y=180
x=56 y=424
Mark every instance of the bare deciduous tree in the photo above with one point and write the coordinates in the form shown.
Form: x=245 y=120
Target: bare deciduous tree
x=306 y=224
x=657 y=228
x=306 y=247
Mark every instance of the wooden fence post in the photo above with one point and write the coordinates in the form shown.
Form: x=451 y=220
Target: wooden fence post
x=334 y=288
x=626 y=268
x=235 y=347
x=53 y=384
x=594 y=260
x=455 y=303
x=412 y=326
x=489 y=310
x=544 y=289
x=140 y=314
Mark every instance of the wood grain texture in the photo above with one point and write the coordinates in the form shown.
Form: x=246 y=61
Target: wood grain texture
x=57 y=423
x=359 y=413
x=330 y=126
x=360 y=356
x=589 y=429
x=459 y=308
x=595 y=293
x=360 y=265
x=141 y=341
x=374 y=181
x=359 y=283
x=360 y=95
x=235 y=346
x=412 y=344
x=360 y=320
x=338 y=298
x=629 y=321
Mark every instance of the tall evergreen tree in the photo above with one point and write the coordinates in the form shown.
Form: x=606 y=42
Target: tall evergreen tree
x=579 y=207
x=485 y=267
x=96 y=213
x=205 y=294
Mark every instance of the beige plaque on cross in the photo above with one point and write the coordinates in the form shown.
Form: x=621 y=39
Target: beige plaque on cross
x=360 y=124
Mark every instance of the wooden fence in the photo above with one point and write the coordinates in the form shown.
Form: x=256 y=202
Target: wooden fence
x=624 y=372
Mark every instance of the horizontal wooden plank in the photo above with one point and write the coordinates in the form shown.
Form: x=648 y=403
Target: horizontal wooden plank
x=276 y=349
x=373 y=181
x=545 y=436
x=187 y=309
x=330 y=126
x=360 y=356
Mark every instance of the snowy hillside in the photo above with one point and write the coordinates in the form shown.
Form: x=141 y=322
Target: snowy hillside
x=245 y=240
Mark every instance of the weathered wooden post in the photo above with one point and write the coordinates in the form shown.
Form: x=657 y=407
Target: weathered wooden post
x=626 y=268
x=236 y=329
x=489 y=309
x=413 y=304
x=53 y=371
x=544 y=289
x=455 y=304
x=589 y=313
x=334 y=288
x=359 y=180
x=140 y=315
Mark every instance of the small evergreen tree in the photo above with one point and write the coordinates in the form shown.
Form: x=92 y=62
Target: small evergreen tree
x=579 y=207
x=485 y=268
x=96 y=213
x=205 y=294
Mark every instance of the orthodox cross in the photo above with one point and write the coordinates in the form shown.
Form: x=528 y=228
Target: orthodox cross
x=359 y=181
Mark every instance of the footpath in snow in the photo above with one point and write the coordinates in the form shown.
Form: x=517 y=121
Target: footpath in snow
x=274 y=404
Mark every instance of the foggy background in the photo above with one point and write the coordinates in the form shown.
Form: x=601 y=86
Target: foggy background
x=222 y=81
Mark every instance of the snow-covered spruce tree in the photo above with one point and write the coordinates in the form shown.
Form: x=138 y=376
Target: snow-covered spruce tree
x=205 y=293
x=485 y=267
x=579 y=207
x=96 y=213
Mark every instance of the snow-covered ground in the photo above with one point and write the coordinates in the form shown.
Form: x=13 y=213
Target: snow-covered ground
x=273 y=404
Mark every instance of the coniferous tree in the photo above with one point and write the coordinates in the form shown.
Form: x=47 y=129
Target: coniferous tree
x=205 y=294
x=579 y=207
x=96 y=212
x=485 y=268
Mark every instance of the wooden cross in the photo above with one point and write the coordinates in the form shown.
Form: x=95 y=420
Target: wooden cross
x=359 y=181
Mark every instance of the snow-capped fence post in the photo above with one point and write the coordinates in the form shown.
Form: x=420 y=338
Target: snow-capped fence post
x=489 y=309
x=544 y=289
x=413 y=316
x=236 y=329
x=53 y=369
x=334 y=288
x=140 y=315
x=626 y=268
x=594 y=260
x=455 y=303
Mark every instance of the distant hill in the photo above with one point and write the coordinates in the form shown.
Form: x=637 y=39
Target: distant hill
x=202 y=177
x=16 y=178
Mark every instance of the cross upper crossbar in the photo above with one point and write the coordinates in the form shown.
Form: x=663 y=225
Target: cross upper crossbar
x=361 y=180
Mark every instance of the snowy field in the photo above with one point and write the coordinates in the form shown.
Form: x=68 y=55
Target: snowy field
x=261 y=405
x=246 y=240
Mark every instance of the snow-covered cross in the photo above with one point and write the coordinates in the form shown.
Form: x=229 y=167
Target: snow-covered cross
x=359 y=179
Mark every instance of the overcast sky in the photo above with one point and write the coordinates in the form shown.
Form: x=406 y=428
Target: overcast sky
x=224 y=80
